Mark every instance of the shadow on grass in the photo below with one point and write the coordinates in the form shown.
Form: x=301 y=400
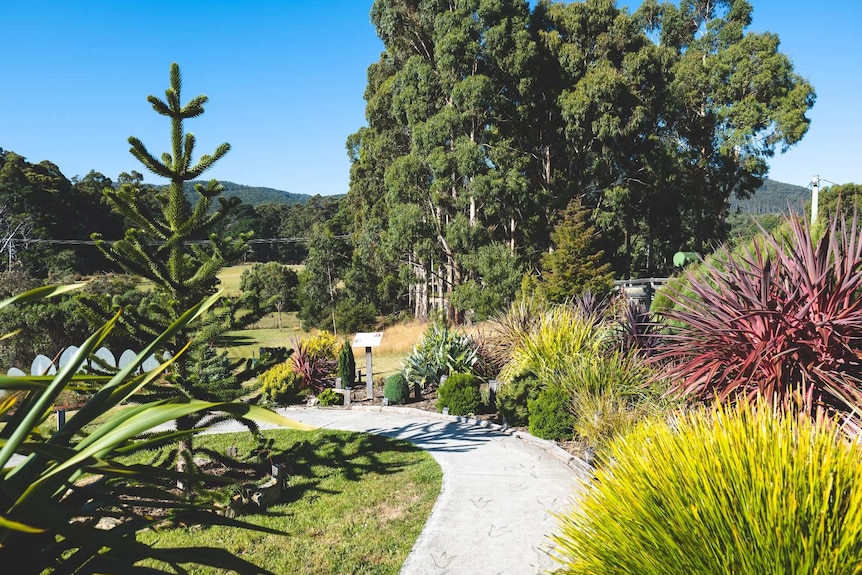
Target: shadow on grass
x=325 y=455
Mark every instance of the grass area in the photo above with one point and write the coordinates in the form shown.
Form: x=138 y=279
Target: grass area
x=356 y=504
x=398 y=340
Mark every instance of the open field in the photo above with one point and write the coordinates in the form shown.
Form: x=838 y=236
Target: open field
x=397 y=342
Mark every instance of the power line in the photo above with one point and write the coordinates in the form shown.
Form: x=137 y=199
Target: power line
x=186 y=243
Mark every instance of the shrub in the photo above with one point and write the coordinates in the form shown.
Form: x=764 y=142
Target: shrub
x=314 y=363
x=740 y=490
x=460 y=393
x=562 y=335
x=550 y=414
x=396 y=389
x=512 y=399
x=329 y=397
x=609 y=395
x=781 y=320
x=440 y=351
x=323 y=345
x=352 y=316
x=347 y=365
x=508 y=330
x=281 y=384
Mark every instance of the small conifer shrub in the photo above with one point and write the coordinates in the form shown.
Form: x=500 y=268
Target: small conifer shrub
x=396 y=389
x=460 y=393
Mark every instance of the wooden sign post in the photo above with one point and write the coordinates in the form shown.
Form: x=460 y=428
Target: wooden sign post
x=368 y=340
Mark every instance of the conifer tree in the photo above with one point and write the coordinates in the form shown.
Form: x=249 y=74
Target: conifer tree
x=170 y=248
x=575 y=264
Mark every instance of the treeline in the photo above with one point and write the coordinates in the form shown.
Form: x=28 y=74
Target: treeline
x=46 y=218
x=487 y=118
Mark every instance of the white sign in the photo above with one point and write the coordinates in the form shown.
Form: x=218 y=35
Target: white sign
x=368 y=339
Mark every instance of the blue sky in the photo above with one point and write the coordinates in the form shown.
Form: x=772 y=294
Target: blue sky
x=285 y=80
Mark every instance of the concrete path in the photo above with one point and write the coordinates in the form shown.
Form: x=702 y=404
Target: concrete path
x=499 y=491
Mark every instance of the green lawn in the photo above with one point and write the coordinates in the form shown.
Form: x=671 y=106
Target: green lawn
x=356 y=504
x=266 y=333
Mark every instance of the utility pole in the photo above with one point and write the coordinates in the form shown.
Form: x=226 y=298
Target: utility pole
x=815 y=191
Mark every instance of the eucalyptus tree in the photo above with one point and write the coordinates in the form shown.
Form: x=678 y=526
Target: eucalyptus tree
x=734 y=100
x=439 y=100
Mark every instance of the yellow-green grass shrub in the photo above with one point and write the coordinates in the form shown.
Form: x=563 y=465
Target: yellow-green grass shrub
x=738 y=490
x=280 y=383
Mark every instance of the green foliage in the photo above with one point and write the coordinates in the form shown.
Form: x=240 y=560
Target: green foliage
x=158 y=246
x=69 y=480
x=281 y=384
x=550 y=413
x=771 y=198
x=440 y=351
x=319 y=282
x=347 y=365
x=352 y=316
x=270 y=286
x=845 y=199
x=460 y=393
x=561 y=335
x=396 y=389
x=486 y=119
x=498 y=275
x=575 y=265
x=742 y=489
x=513 y=398
x=329 y=397
x=610 y=394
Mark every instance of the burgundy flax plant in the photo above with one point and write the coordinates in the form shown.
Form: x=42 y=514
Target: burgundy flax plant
x=781 y=320
x=316 y=371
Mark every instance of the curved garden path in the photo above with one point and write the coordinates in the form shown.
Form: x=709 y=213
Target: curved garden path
x=500 y=489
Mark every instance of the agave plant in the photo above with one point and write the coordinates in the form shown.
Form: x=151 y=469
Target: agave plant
x=440 y=351
x=780 y=320
x=67 y=502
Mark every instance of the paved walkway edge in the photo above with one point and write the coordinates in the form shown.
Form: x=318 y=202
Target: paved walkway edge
x=572 y=461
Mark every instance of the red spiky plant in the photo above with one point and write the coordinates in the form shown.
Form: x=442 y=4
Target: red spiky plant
x=781 y=320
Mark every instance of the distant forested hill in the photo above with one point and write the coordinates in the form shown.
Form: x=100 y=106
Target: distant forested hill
x=773 y=198
x=253 y=195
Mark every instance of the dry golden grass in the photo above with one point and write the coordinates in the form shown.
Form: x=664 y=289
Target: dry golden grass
x=399 y=339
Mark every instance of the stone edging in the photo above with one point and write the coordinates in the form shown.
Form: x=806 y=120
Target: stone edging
x=571 y=461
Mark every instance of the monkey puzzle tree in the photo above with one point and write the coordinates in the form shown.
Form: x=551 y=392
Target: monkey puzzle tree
x=170 y=248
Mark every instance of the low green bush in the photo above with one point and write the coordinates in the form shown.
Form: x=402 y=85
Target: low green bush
x=550 y=414
x=396 y=389
x=329 y=397
x=460 y=393
x=281 y=384
x=512 y=400
x=742 y=489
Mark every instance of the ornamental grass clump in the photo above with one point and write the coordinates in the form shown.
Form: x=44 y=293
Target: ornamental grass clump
x=742 y=489
x=781 y=319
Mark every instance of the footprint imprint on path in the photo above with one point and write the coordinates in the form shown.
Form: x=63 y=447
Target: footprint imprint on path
x=481 y=503
x=515 y=487
x=547 y=507
x=498 y=531
x=544 y=559
x=443 y=561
